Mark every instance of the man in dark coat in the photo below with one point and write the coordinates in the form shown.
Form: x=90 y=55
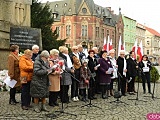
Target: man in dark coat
x=131 y=72
x=121 y=62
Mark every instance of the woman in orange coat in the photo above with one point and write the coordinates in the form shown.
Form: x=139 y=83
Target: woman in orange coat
x=26 y=72
x=13 y=71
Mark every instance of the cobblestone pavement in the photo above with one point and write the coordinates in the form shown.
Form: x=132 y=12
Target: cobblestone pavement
x=135 y=110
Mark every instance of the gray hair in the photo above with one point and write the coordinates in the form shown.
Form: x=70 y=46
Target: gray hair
x=54 y=51
x=45 y=54
x=35 y=47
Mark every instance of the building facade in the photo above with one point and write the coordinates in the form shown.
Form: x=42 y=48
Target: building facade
x=129 y=34
x=84 y=22
x=12 y=13
x=152 y=44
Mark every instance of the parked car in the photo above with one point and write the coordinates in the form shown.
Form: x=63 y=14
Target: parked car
x=155 y=64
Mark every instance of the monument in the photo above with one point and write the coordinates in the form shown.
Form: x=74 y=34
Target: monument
x=13 y=14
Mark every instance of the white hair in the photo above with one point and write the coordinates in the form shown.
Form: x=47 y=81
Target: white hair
x=54 y=51
x=35 y=47
x=45 y=54
x=111 y=51
x=122 y=52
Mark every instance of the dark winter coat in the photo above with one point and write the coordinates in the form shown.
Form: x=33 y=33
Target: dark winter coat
x=39 y=87
x=104 y=66
x=141 y=65
x=84 y=75
x=131 y=67
x=120 y=63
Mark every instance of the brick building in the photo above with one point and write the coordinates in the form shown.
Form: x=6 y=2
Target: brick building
x=84 y=22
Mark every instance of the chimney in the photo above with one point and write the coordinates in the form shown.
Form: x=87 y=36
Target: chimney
x=109 y=8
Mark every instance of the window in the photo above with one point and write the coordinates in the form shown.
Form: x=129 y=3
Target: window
x=97 y=31
x=84 y=30
x=68 y=30
x=102 y=33
x=65 y=4
x=67 y=45
x=147 y=42
x=58 y=31
x=147 y=52
x=56 y=5
x=107 y=33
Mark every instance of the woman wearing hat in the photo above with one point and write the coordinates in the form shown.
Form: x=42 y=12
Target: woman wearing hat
x=105 y=74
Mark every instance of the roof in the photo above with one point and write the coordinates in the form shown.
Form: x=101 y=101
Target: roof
x=72 y=7
x=154 y=32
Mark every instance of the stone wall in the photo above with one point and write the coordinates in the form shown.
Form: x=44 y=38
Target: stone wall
x=12 y=13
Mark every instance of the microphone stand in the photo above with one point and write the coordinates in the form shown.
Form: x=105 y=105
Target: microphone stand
x=137 y=97
x=154 y=84
x=61 y=111
x=118 y=81
x=90 y=100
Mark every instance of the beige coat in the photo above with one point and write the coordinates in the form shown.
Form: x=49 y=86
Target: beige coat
x=54 y=80
x=13 y=68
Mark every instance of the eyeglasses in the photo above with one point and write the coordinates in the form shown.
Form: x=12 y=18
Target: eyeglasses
x=75 y=49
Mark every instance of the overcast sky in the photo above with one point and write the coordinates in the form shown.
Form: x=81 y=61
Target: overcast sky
x=144 y=11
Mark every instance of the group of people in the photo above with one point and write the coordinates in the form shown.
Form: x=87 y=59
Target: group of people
x=50 y=75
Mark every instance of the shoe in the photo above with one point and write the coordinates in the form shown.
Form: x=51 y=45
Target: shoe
x=104 y=96
x=43 y=108
x=98 y=92
x=149 y=92
x=15 y=101
x=124 y=95
x=30 y=106
x=131 y=93
x=144 y=92
x=12 y=102
x=94 y=97
x=74 y=99
x=36 y=108
x=83 y=99
x=91 y=98
x=56 y=104
x=51 y=104
x=24 y=107
x=77 y=99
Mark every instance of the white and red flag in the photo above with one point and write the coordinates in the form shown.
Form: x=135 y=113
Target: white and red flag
x=134 y=48
x=140 y=51
x=120 y=46
x=104 y=44
x=110 y=45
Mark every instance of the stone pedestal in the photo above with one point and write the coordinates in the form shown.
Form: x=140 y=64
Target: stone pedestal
x=13 y=13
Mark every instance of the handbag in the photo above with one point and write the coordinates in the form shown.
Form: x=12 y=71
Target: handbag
x=23 y=80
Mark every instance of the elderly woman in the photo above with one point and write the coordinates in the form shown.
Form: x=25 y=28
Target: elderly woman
x=104 y=73
x=13 y=71
x=92 y=63
x=75 y=58
x=54 y=78
x=66 y=80
x=26 y=71
x=115 y=66
x=40 y=83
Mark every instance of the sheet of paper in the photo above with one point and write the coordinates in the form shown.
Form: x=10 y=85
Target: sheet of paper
x=9 y=82
x=110 y=70
x=145 y=69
